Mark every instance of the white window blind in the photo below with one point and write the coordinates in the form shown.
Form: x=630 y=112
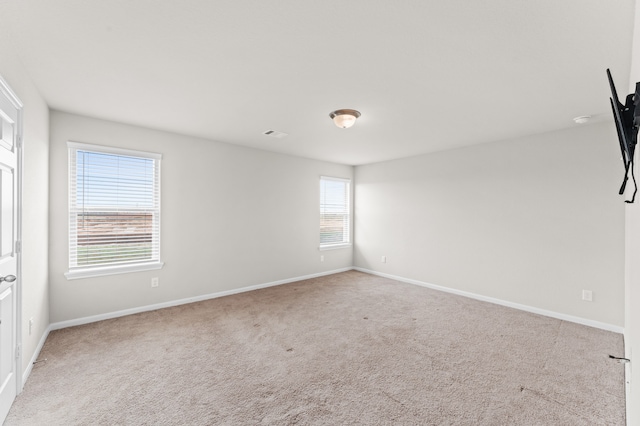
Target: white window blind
x=114 y=207
x=334 y=211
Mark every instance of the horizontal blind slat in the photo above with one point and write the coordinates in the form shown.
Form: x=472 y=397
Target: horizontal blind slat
x=114 y=209
x=334 y=211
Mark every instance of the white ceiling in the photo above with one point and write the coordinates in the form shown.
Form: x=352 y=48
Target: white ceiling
x=426 y=75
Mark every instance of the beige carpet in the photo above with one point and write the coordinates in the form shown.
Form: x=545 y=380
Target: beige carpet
x=349 y=348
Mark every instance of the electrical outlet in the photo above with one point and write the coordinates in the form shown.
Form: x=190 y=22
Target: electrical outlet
x=154 y=282
x=30 y=325
x=321 y=258
x=384 y=259
x=587 y=295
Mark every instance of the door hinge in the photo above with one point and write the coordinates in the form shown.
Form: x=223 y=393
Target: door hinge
x=18 y=246
x=19 y=141
x=18 y=349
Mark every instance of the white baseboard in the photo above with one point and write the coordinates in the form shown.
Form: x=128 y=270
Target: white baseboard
x=557 y=315
x=101 y=317
x=36 y=354
x=131 y=311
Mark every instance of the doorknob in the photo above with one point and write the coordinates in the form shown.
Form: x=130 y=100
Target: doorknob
x=8 y=278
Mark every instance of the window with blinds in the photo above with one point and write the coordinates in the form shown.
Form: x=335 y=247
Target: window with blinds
x=114 y=209
x=335 y=214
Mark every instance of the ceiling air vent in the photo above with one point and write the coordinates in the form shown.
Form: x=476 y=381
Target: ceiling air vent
x=275 y=134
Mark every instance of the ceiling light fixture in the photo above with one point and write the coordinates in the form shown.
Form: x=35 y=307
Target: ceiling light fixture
x=344 y=118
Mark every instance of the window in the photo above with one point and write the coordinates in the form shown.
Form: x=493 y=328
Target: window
x=334 y=212
x=114 y=210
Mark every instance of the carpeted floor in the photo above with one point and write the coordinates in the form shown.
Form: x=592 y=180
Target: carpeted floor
x=349 y=348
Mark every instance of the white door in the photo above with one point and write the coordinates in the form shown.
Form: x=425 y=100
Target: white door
x=9 y=132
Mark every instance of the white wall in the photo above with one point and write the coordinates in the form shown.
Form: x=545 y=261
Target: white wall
x=632 y=320
x=531 y=221
x=231 y=217
x=35 y=292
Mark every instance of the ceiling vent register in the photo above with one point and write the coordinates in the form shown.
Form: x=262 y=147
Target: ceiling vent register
x=275 y=134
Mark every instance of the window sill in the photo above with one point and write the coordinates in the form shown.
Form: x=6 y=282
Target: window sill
x=334 y=246
x=112 y=270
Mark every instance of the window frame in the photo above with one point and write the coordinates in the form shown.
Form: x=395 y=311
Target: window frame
x=75 y=271
x=349 y=214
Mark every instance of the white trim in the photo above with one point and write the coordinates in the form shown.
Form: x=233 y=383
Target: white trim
x=552 y=314
x=335 y=246
x=112 y=150
x=101 y=317
x=112 y=270
x=75 y=207
x=19 y=283
x=348 y=241
x=19 y=147
x=36 y=354
x=337 y=179
x=13 y=98
x=131 y=311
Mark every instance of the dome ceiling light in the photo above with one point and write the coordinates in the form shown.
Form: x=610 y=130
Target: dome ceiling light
x=344 y=118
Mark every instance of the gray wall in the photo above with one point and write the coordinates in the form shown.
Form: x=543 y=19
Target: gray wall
x=632 y=235
x=231 y=217
x=34 y=279
x=531 y=221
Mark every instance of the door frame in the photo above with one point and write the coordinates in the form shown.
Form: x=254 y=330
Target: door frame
x=17 y=103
